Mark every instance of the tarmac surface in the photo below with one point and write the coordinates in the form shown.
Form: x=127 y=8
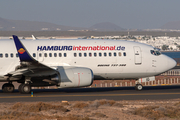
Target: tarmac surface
x=89 y=94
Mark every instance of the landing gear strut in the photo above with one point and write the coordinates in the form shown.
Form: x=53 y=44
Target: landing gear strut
x=24 y=88
x=8 y=88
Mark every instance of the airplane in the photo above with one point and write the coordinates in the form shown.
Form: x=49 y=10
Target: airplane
x=77 y=62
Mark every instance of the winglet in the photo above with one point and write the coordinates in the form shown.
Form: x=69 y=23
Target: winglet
x=22 y=51
x=34 y=38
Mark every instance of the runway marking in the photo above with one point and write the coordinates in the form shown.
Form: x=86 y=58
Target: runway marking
x=35 y=96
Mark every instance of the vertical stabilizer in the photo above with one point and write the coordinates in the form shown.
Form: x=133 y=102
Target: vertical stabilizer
x=22 y=51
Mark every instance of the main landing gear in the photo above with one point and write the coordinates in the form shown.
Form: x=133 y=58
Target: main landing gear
x=8 y=88
x=24 y=88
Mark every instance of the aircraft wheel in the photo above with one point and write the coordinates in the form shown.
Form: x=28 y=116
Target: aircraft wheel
x=8 y=88
x=138 y=87
x=25 y=88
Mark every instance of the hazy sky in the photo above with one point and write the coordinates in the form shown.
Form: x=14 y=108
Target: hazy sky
x=130 y=14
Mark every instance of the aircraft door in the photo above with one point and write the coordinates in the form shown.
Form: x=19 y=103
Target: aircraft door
x=137 y=55
x=40 y=56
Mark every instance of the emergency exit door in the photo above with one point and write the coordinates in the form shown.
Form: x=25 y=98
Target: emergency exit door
x=137 y=55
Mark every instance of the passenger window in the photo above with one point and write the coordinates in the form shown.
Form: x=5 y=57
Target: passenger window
x=85 y=54
x=34 y=54
x=119 y=53
x=50 y=54
x=100 y=54
x=6 y=55
x=114 y=54
x=124 y=54
x=75 y=54
x=17 y=55
x=60 y=55
x=12 y=55
x=109 y=54
x=90 y=54
x=65 y=54
x=40 y=55
x=80 y=54
x=95 y=54
x=55 y=54
x=105 y=54
x=45 y=54
x=1 y=55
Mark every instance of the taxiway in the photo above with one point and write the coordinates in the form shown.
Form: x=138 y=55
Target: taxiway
x=89 y=94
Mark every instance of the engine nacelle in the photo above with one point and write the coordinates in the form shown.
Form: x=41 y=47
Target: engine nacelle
x=75 y=77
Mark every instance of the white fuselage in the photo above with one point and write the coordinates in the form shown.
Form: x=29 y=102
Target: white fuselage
x=127 y=59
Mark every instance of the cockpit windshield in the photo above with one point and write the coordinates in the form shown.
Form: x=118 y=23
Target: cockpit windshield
x=155 y=52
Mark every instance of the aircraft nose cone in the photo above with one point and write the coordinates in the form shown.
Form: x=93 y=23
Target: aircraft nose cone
x=171 y=63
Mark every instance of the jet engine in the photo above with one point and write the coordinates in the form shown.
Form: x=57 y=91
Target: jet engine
x=75 y=77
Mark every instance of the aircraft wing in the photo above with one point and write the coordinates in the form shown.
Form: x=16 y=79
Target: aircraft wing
x=28 y=67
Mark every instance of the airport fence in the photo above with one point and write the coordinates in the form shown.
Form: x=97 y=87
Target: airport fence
x=158 y=82
x=171 y=72
x=120 y=83
x=125 y=83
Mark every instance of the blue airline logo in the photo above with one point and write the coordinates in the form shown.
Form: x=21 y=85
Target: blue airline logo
x=54 y=48
x=79 y=48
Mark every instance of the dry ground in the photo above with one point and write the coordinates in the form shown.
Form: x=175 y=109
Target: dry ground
x=92 y=110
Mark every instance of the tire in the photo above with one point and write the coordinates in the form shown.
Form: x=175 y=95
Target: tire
x=25 y=88
x=8 y=88
x=19 y=88
x=4 y=87
x=139 y=87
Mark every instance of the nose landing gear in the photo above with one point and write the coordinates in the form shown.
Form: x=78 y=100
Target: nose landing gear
x=138 y=87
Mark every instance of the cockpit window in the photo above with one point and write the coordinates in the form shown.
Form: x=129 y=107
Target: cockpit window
x=155 y=52
x=158 y=53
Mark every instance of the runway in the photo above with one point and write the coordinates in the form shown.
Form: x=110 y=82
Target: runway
x=89 y=94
